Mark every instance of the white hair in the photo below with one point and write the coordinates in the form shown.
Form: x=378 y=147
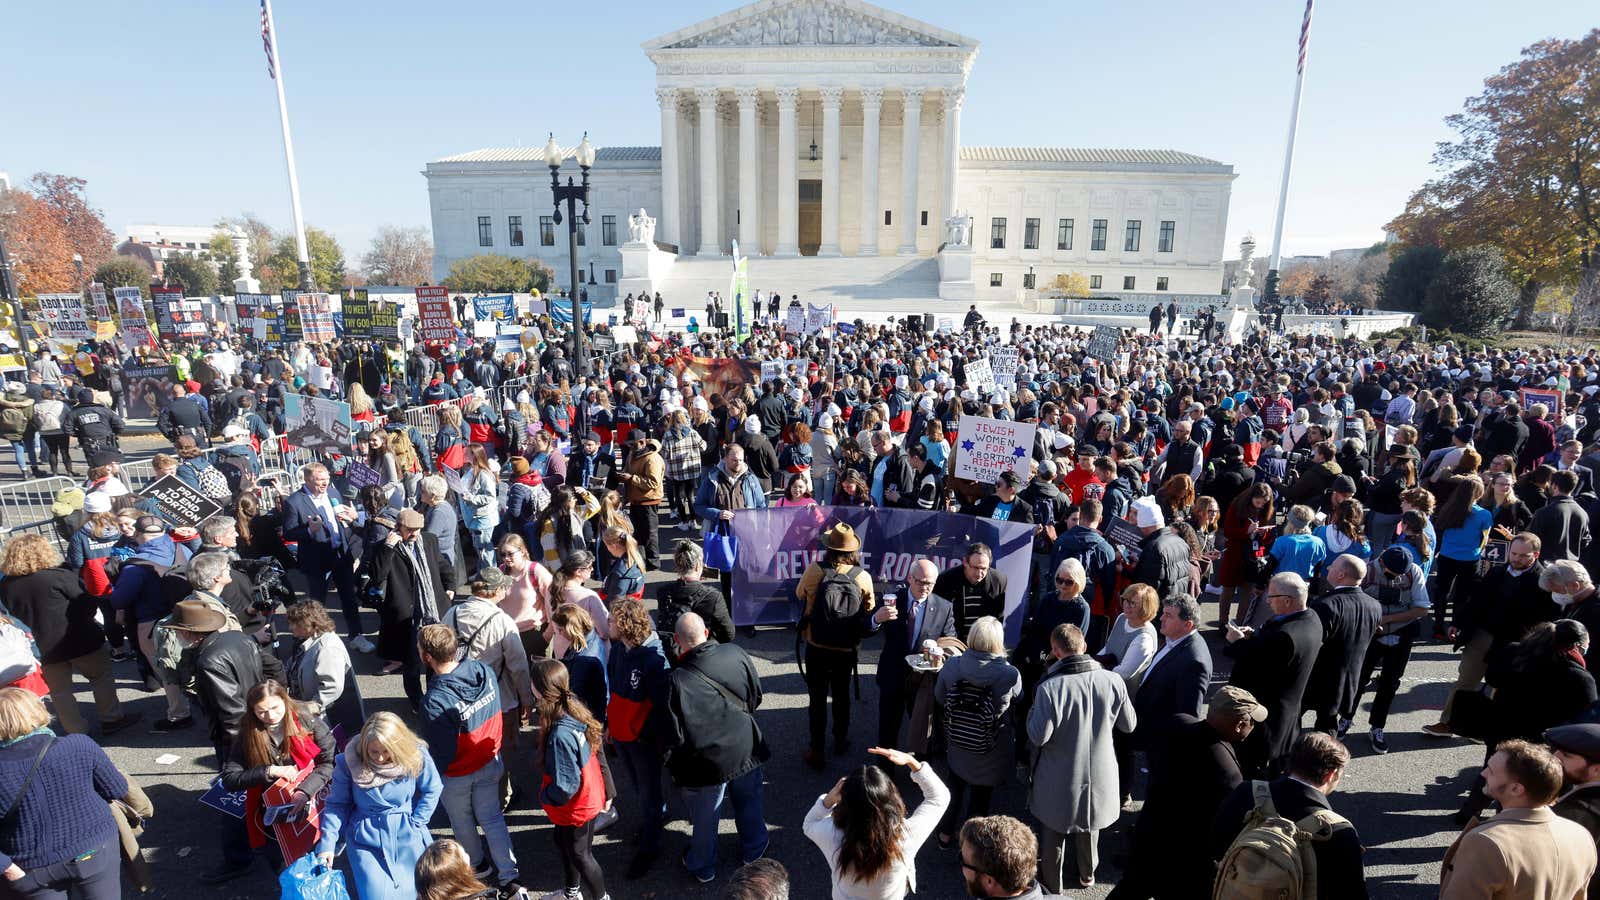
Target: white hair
x=987 y=636
x=435 y=486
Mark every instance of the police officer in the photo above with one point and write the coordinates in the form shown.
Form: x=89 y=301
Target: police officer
x=95 y=426
x=184 y=416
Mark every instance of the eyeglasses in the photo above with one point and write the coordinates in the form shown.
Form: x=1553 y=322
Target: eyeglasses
x=1065 y=581
x=922 y=581
x=1280 y=596
x=967 y=865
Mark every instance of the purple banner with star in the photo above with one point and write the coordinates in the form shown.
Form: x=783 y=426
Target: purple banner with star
x=775 y=546
x=987 y=447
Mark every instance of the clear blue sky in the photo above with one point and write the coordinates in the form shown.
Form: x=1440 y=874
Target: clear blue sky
x=167 y=110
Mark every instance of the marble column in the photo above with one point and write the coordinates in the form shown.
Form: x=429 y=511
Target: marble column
x=749 y=199
x=669 y=216
x=952 y=149
x=788 y=185
x=910 y=153
x=710 y=195
x=871 y=109
x=832 y=97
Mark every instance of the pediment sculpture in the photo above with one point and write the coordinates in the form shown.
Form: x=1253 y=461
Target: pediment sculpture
x=812 y=23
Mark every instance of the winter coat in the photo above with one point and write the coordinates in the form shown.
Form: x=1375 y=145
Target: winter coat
x=713 y=494
x=638 y=677
x=645 y=475
x=1004 y=683
x=461 y=720
x=490 y=636
x=384 y=828
x=711 y=739
x=704 y=598
x=53 y=603
x=480 y=503
x=1349 y=623
x=138 y=586
x=586 y=674
x=683 y=449
x=1075 y=708
x=320 y=672
x=391 y=573
x=1164 y=563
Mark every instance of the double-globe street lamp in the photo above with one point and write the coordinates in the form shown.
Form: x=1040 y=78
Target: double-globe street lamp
x=572 y=194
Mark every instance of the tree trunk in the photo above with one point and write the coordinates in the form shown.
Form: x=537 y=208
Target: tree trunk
x=1525 y=302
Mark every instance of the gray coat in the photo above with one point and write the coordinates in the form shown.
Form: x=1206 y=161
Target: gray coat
x=320 y=672
x=1004 y=682
x=1075 y=768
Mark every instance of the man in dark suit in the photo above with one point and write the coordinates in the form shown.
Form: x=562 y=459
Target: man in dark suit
x=1315 y=769
x=1274 y=664
x=1349 y=622
x=926 y=617
x=1561 y=524
x=1175 y=682
x=320 y=524
x=1167 y=861
x=1570 y=452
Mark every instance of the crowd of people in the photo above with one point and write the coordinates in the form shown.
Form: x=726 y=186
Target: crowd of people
x=1339 y=501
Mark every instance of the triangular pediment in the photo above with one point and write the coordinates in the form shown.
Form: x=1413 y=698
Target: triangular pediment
x=810 y=23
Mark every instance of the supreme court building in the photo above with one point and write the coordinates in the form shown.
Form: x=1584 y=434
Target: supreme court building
x=824 y=137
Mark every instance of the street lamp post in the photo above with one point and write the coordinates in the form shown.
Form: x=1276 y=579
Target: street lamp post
x=572 y=194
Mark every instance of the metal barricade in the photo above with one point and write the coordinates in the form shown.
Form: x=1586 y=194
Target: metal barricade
x=29 y=501
x=138 y=475
x=46 y=529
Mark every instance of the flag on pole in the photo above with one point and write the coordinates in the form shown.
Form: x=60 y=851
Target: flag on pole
x=740 y=289
x=1305 y=37
x=266 y=42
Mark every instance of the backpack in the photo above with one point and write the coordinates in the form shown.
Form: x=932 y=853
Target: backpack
x=236 y=472
x=1272 y=857
x=212 y=482
x=835 y=618
x=970 y=717
x=464 y=642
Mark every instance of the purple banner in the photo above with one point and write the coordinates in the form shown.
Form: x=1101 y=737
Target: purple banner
x=776 y=546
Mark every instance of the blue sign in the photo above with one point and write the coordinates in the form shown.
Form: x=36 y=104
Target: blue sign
x=494 y=306
x=222 y=800
x=561 y=310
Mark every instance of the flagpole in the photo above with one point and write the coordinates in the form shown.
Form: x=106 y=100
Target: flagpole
x=288 y=152
x=1288 y=151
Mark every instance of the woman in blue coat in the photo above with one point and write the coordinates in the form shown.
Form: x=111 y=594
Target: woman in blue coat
x=385 y=789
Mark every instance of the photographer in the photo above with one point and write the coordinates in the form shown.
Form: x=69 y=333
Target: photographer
x=257 y=586
x=1310 y=484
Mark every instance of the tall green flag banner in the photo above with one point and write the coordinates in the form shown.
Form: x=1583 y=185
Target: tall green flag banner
x=739 y=290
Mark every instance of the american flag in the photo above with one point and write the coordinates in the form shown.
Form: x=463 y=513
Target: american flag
x=1305 y=37
x=272 y=64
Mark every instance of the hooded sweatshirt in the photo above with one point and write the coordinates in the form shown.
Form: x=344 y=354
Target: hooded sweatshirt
x=461 y=718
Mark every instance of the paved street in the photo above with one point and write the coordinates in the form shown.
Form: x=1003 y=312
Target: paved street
x=1400 y=802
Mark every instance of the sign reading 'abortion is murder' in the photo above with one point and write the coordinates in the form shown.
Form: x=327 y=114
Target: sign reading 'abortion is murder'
x=987 y=447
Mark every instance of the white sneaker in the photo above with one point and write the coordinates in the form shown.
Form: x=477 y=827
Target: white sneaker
x=362 y=644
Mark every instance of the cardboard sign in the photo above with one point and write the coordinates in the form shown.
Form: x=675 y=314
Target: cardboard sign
x=296 y=829
x=508 y=341
x=625 y=334
x=317 y=424
x=358 y=314
x=131 y=320
x=293 y=331
x=222 y=800
x=436 y=325
x=771 y=369
x=1103 y=343
x=359 y=475
x=987 y=447
x=794 y=319
x=980 y=375
x=268 y=325
x=65 y=315
x=818 y=317
x=1005 y=361
x=452 y=479
x=178 y=503
x=316 y=317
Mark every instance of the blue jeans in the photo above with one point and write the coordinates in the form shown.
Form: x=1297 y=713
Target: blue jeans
x=483 y=545
x=473 y=801
x=705 y=810
x=643 y=763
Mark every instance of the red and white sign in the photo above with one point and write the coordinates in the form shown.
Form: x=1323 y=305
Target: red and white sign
x=316 y=318
x=435 y=324
x=296 y=837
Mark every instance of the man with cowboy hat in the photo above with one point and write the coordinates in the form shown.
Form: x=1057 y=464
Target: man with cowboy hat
x=837 y=594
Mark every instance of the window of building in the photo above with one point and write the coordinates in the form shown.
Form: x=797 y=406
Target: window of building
x=485 y=232
x=997 y=233
x=1027 y=281
x=583 y=239
x=1127 y=282
x=1130 y=241
x=1097 y=238
x=608 y=230
x=1164 y=245
x=1161 y=283
x=547 y=231
x=611 y=276
x=924 y=217
x=1030 y=234
x=994 y=279
x=1064 y=234
x=888 y=217
x=514 y=227
x=1094 y=282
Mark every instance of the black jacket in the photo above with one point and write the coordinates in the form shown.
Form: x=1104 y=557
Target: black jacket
x=759 y=457
x=972 y=601
x=1507 y=605
x=713 y=737
x=1349 y=623
x=1274 y=664
x=897 y=475
x=227 y=666
x=235 y=777
x=1531 y=697
x=602 y=476
x=1339 y=872
x=770 y=410
x=1049 y=507
x=1176 y=686
x=1582 y=805
x=1164 y=563
x=393 y=575
x=1203 y=770
x=938 y=620
x=1562 y=527
x=703 y=598
x=1021 y=509
x=53 y=603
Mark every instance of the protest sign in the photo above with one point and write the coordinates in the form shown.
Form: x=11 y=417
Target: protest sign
x=316 y=317
x=105 y=326
x=603 y=344
x=818 y=317
x=776 y=545
x=223 y=800
x=131 y=321
x=1550 y=397
x=247 y=307
x=980 y=375
x=1123 y=533
x=289 y=315
x=987 y=447
x=625 y=334
x=358 y=314
x=149 y=388
x=161 y=300
x=65 y=315
x=178 y=503
x=452 y=479
x=1102 y=344
x=385 y=321
x=770 y=369
x=317 y=424
x=794 y=319
x=508 y=341
x=296 y=828
x=268 y=325
x=359 y=475
x=490 y=312
x=1004 y=361
x=436 y=324
x=641 y=310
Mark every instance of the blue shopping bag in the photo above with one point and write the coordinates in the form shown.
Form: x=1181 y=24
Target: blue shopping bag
x=720 y=547
x=307 y=880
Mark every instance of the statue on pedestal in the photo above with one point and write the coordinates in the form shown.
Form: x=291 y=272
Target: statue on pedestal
x=641 y=228
x=958 y=230
x=1247 y=252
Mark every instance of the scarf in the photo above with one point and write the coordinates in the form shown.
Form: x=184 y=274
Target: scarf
x=1076 y=664
x=1577 y=657
x=367 y=776
x=42 y=729
x=426 y=609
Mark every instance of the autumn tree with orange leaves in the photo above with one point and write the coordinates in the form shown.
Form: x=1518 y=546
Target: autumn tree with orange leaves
x=1524 y=174
x=44 y=225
